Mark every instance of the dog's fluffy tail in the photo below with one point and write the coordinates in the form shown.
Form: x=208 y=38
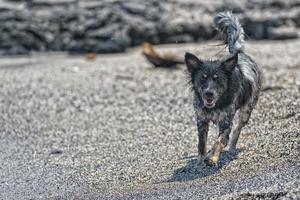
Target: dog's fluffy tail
x=231 y=30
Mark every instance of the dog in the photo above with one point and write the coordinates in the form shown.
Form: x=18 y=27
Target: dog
x=222 y=87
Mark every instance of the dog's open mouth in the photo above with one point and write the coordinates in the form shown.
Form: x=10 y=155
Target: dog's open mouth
x=209 y=102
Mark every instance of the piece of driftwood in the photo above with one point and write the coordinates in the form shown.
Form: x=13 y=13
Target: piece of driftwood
x=167 y=60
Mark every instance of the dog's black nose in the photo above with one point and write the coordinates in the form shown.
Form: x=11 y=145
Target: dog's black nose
x=209 y=94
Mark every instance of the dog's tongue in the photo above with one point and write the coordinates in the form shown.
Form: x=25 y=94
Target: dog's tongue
x=209 y=100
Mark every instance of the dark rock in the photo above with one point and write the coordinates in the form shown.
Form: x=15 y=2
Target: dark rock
x=122 y=37
x=73 y=46
x=256 y=29
x=113 y=26
x=107 y=46
x=134 y=8
x=296 y=18
x=91 y=24
x=47 y=3
x=142 y=32
x=56 y=152
x=103 y=32
x=35 y=32
x=7 y=16
x=14 y=50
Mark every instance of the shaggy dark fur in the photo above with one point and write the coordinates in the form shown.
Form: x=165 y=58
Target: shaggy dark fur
x=222 y=87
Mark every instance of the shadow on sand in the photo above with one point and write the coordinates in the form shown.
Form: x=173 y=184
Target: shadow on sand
x=195 y=168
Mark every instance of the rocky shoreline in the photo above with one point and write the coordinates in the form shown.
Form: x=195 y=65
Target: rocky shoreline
x=110 y=26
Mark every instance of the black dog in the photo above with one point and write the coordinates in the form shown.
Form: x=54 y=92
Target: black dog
x=221 y=87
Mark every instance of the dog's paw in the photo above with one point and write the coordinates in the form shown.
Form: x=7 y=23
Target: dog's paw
x=211 y=161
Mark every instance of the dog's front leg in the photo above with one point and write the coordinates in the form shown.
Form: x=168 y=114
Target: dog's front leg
x=222 y=140
x=202 y=136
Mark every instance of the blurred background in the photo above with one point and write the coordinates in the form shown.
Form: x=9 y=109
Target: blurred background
x=109 y=26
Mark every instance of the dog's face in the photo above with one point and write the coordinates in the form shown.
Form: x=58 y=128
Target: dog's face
x=210 y=78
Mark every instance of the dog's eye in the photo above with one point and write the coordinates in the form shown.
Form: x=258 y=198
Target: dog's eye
x=215 y=76
x=204 y=76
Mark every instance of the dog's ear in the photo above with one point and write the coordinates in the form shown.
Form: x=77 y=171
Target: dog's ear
x=230 y=63
x=192 y=62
